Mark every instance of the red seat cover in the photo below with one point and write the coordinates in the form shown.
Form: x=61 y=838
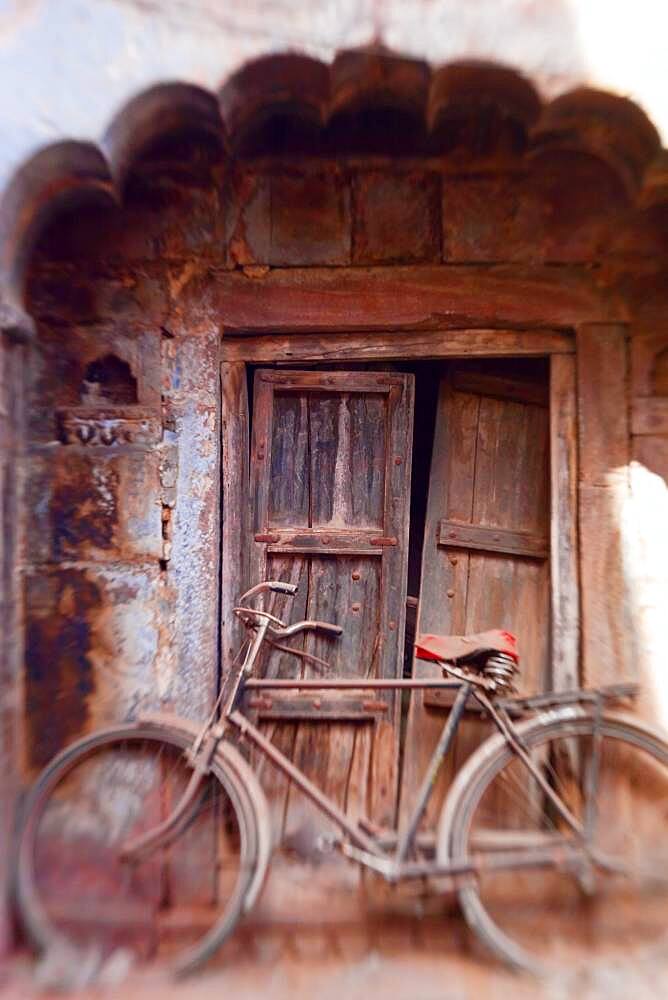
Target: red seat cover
x=457 y=647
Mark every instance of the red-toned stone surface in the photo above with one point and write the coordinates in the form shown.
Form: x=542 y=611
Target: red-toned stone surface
x=292 y=218
x=397 y=217
x=565 y=208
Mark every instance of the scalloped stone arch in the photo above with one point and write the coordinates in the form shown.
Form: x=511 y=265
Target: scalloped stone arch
x=604 y=125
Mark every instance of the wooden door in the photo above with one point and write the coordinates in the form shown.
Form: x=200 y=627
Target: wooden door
x=486 y=544
x=330 y=497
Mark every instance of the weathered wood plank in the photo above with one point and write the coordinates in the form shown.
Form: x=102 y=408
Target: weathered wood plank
x=607 y=626
x=235 y=505
x=325 y=752
x=453 y=534
x=396 y=501
x=602 y=403
x=467 y=379
x=358 y=792
x=289 y=499
x=291 y=568
x=279 y=664
x=511 y=490
x=565 y=597
x=260 y=470
x=652 y=452
x=443 y=580
x=647 y=347
x=316 y=707
x=384 y=763
x=606 y=605
x=322 y=538
x=381 y=298
x=280 y=348
x=378 y=382
x=309 y=546
x=649 y=415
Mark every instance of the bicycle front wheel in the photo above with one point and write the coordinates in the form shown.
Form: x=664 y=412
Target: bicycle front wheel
x=547 y=899
x=179 y=901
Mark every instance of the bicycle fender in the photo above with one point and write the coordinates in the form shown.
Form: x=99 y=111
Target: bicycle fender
x=247 y=784
x=259 y=805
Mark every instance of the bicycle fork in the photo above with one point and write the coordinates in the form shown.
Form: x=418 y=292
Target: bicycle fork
x=169 y=829
x=199 y=756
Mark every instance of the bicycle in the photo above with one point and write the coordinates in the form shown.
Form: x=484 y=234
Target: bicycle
x=556 y=823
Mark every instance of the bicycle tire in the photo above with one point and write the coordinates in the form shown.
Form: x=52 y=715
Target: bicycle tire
x=458 y=830
x=229 y=778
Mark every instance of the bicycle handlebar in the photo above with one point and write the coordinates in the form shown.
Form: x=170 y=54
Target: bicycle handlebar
x=275 y=586
x=277 y=628
x=327 y=627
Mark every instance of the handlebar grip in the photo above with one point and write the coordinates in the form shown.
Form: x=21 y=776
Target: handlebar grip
x=328 y=628
x=278 y=587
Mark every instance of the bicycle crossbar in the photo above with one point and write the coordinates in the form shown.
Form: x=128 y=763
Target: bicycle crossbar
x=324 y=803
x=347 y=683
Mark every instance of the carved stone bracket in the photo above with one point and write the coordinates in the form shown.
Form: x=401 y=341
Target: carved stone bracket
x=84 y=425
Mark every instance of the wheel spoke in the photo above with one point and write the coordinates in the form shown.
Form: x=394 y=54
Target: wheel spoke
x=543 y=896
x=83 y=811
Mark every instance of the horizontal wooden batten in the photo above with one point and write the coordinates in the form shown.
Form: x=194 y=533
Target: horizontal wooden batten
x=382 y=382
x=319 y=542
x=409 y=297
x=329 y=550
x=315 y=708
x=476 y=536
x=279 y=348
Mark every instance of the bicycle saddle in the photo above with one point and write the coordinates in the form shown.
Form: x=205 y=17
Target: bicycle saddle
x=465 y=648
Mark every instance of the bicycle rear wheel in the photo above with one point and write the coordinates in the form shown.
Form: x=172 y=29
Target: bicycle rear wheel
x=606 y=903
x=179 y=901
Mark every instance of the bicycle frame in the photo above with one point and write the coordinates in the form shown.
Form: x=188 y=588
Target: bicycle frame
x=366 y=844
x=384 y=851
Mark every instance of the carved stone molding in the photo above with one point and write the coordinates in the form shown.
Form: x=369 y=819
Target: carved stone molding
x=15 y=324
x=84 y=425
x=320 y=100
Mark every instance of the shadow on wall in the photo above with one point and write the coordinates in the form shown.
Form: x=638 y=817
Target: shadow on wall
x=109 y=380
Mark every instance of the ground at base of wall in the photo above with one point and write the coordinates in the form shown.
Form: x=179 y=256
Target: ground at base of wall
x=402 y=960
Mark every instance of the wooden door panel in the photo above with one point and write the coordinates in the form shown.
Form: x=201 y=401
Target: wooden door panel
x=511 y=473
x=289 y=494
x=330 y=482
x=515 y=593
x=490 y=470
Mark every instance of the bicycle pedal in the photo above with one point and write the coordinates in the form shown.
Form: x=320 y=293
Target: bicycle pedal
x=327 y=843
x=308 y=843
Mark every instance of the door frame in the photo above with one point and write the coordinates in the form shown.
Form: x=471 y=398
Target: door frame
x=239 y=350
